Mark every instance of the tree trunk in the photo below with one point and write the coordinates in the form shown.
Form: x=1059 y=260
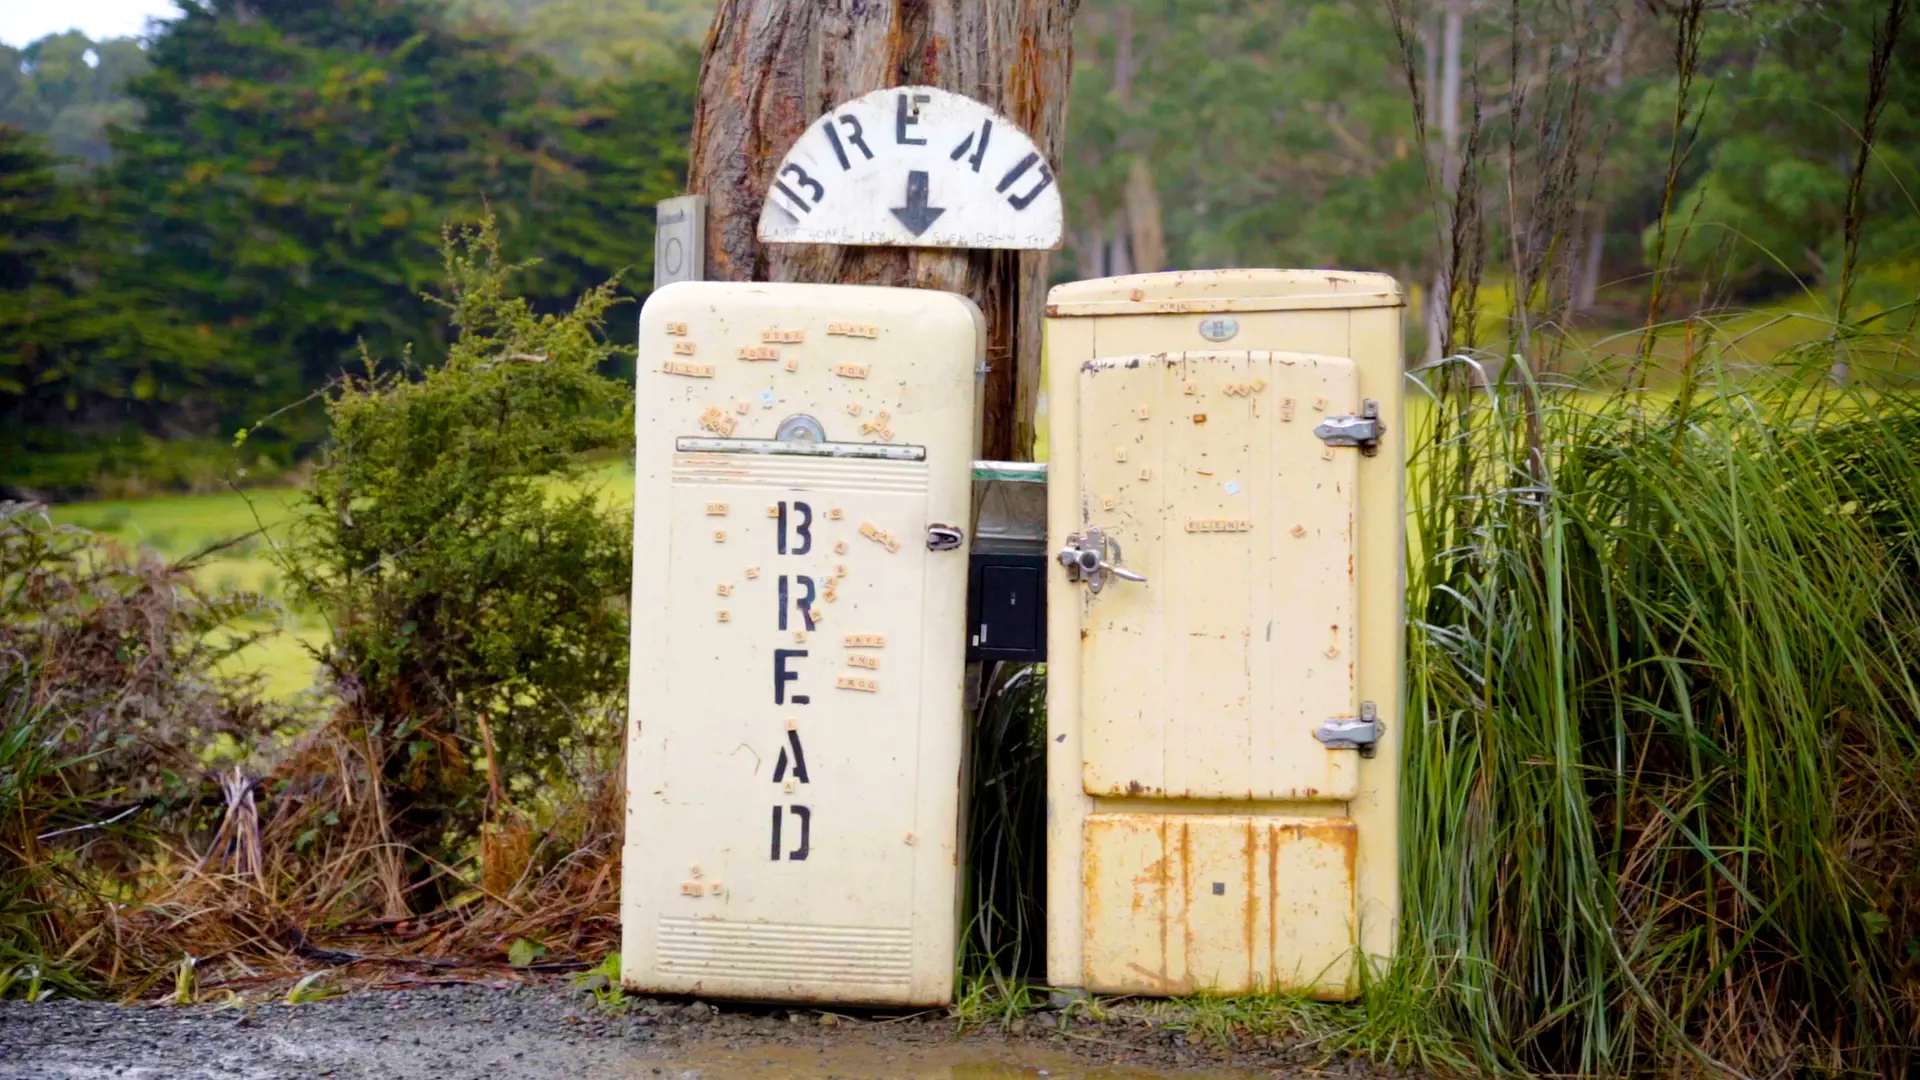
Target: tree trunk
x=1615 y=77
x=1440 y=295
x=1143 y=232
x=772 y=67
x=1146 y=230
x=1593 y=264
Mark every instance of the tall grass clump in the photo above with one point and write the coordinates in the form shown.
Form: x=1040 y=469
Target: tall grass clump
x=28 y=907
x=1005 y=876
x=1662 y=790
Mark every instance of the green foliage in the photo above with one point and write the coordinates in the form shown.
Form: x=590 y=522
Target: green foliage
x=989 y=996
x=628 y=134
x=1793 y=75
x=311 y=988
x=30 y=766
x=523 y=952
x=1664 y=732
x=1281 y=134
x=317 y=148
x=50 y=88
x=123 y=650
x=603 y=982
x=598 y=39
x=273 y=201
x=80 y=336
x=476 y=612
x=1278 y=135
x=109 y=461
x=40 y=226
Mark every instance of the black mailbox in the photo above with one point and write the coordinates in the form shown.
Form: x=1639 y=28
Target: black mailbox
x=1007 y=607
x=1007 y=577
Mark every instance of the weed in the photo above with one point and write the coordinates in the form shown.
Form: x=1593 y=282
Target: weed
x=310 y=988
x=525 y=953
x=184 y=982
x=152 y=808
x=603 y=982
x=989 y=997
x=1004 y=876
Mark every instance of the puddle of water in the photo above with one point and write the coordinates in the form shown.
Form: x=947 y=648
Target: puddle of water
x=853 y=1061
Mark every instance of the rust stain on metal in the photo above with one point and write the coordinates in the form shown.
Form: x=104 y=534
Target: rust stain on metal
x=1186 y=890
x=1153 y=874
x=1089 y=875
x=1158 y=983
x=1163 y=903
x=1273 y=909
x=1250 y=853
x=1349 y=840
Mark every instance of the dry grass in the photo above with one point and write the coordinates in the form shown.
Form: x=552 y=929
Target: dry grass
x=164 y=833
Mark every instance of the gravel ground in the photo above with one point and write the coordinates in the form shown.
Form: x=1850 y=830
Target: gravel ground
x=537 y=1032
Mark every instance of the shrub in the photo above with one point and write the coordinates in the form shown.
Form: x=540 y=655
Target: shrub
x=477 y=607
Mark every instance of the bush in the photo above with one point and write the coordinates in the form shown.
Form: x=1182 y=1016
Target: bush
x=479 y=626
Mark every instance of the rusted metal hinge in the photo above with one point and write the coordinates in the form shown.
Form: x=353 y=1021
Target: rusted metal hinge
x=1346 y=733
x=1363 y=431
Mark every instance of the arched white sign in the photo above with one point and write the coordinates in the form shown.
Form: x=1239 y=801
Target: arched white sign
x=915 y=166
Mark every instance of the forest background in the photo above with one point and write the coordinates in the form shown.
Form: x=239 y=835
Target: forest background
x=202 y=227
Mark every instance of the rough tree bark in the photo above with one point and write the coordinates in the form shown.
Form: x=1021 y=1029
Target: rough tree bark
x=772 y=67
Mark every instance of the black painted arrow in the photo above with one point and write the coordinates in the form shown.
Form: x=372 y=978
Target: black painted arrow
x=917 y=216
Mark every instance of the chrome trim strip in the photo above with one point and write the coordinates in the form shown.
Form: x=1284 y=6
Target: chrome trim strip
x=692 y=444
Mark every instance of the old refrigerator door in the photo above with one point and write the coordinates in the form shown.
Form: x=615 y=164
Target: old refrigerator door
x=1225 y=627
x=804 y=452
x=1207 y=679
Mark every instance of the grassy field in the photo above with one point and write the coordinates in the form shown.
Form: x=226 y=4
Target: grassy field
x=181 y=525
x=1883 y=310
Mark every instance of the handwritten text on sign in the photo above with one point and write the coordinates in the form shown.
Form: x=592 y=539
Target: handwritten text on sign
x=914 y=166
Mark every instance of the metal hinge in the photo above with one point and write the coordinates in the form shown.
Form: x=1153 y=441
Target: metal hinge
x=1346 y=733
x=1363 y=431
